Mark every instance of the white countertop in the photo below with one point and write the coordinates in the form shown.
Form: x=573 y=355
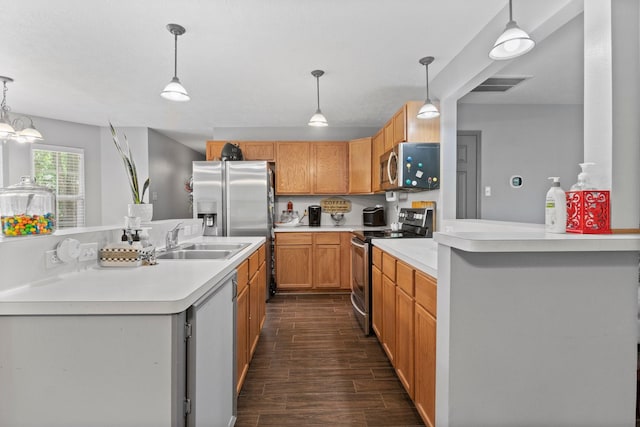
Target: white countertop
x=421 y=254
x=495 y=236
x=169 y=287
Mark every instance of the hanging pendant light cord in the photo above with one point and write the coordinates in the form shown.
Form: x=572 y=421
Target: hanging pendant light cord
x=175 y=55
x=318 y=91
x=3 y=106
x=427 y=72
x=510 y=14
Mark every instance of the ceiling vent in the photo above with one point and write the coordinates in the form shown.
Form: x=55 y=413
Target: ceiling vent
x=498 y=84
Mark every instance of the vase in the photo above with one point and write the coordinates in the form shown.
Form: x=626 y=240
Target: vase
x=142 y=210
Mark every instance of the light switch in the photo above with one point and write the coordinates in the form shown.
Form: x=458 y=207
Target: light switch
x=487 y=191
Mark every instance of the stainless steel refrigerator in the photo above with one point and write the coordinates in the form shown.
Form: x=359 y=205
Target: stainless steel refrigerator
x=236 y=198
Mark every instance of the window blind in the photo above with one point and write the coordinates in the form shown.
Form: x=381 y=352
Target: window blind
x=63 y=171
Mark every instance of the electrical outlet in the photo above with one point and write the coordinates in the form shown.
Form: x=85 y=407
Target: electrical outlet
x=487 y=191
x=51 y=259
x=88 y=252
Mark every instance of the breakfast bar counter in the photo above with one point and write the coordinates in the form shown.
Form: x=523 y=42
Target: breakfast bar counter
x=535 y=328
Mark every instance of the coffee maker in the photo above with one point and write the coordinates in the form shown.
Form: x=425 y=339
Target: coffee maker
x=315 y=212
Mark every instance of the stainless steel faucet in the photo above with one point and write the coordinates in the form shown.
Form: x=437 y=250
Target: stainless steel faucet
x=172 y=237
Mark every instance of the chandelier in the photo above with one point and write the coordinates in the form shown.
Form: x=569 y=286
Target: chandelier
x=21 y=128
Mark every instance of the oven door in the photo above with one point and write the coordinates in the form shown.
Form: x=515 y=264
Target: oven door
x=360 y=286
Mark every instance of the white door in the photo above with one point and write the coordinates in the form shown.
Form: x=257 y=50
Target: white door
x=467 y=171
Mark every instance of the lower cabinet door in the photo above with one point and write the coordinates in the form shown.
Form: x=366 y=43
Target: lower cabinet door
x=389 y=318
x=293 y=266
x=425 y=365
x=242 y=338
x=254 y=313
x=376 y=303
x=404 y=340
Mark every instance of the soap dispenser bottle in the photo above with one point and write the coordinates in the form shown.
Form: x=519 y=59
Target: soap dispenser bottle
x=555 y=213
x=584 y=178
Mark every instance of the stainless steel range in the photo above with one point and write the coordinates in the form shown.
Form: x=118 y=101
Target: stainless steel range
x=413 y=223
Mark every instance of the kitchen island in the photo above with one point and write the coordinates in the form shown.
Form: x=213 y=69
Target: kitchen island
x=535 y=328
x=119 y=346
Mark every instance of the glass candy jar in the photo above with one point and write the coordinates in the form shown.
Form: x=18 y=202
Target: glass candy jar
x=27 y=209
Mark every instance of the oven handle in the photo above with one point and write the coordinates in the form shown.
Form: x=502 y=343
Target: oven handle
x=355 y=241
x=355 y=306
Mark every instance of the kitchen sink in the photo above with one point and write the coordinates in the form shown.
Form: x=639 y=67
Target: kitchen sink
x=197 y=254
x=214 y=246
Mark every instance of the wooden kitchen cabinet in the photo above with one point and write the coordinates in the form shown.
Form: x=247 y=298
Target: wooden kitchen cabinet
x=388 y=317
x=360 y=166
x=258 y=150
x=327 y=255
x=214 y=149
x=251 y=310
x=242 y=327
x=377 y=150
x=330 y=172
x=404 y=357
x=408 y=128
x=388 y=136
x=425 y=365
x=294 y=261
x=293 y=167
x=313 y=261
x=376 y=302
x=242 y=337
x=404 y=319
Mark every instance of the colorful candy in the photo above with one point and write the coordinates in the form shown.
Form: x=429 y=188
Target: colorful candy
x=23 y=225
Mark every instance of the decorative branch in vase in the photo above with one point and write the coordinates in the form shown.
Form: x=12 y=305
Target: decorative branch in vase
x=138 y=207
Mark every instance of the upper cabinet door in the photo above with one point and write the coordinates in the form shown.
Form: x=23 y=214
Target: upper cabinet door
x=293 y=161
x=360 y=166
x=377 y=151
x=389 y=136
x=214 y=148
x=258 y=150
x=330 y=170
x=420 y=130
x=400 y=126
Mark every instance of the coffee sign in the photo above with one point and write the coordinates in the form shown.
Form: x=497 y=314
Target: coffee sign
x=335 y=205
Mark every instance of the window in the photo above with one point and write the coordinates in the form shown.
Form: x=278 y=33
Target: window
x=62 y=170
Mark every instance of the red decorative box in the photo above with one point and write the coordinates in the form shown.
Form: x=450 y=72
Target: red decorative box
x=588 y=212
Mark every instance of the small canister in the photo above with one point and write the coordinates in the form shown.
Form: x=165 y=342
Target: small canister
x=27 y=209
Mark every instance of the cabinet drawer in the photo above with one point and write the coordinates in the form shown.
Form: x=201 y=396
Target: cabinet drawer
x=261 y=255
x=326 y=238
x=426 y=292
x=377 y=257
x=254 y=263
x=404 y=278
x=243 y=276
x=389 y=266
x=294 y=238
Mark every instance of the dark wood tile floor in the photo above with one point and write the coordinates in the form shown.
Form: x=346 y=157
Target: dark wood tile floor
x=314 y=367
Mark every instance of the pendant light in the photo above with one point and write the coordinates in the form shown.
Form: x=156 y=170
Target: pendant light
x=428 y=110
x=513 y=41
x=318 y=118
x=174 y=91
x=16 y=129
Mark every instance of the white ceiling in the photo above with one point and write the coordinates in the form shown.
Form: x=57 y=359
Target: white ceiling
x=246 y=63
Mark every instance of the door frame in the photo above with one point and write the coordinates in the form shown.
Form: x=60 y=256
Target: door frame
x=478 y=135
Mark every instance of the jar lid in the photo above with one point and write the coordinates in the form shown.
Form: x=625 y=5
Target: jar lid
x=26 y=184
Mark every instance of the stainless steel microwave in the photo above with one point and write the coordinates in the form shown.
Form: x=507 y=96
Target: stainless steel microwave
x=411 y=166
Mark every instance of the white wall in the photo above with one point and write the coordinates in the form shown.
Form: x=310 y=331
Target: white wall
x=170 y=165
x=116 y=193
x=17 y=158
x=534 y=141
